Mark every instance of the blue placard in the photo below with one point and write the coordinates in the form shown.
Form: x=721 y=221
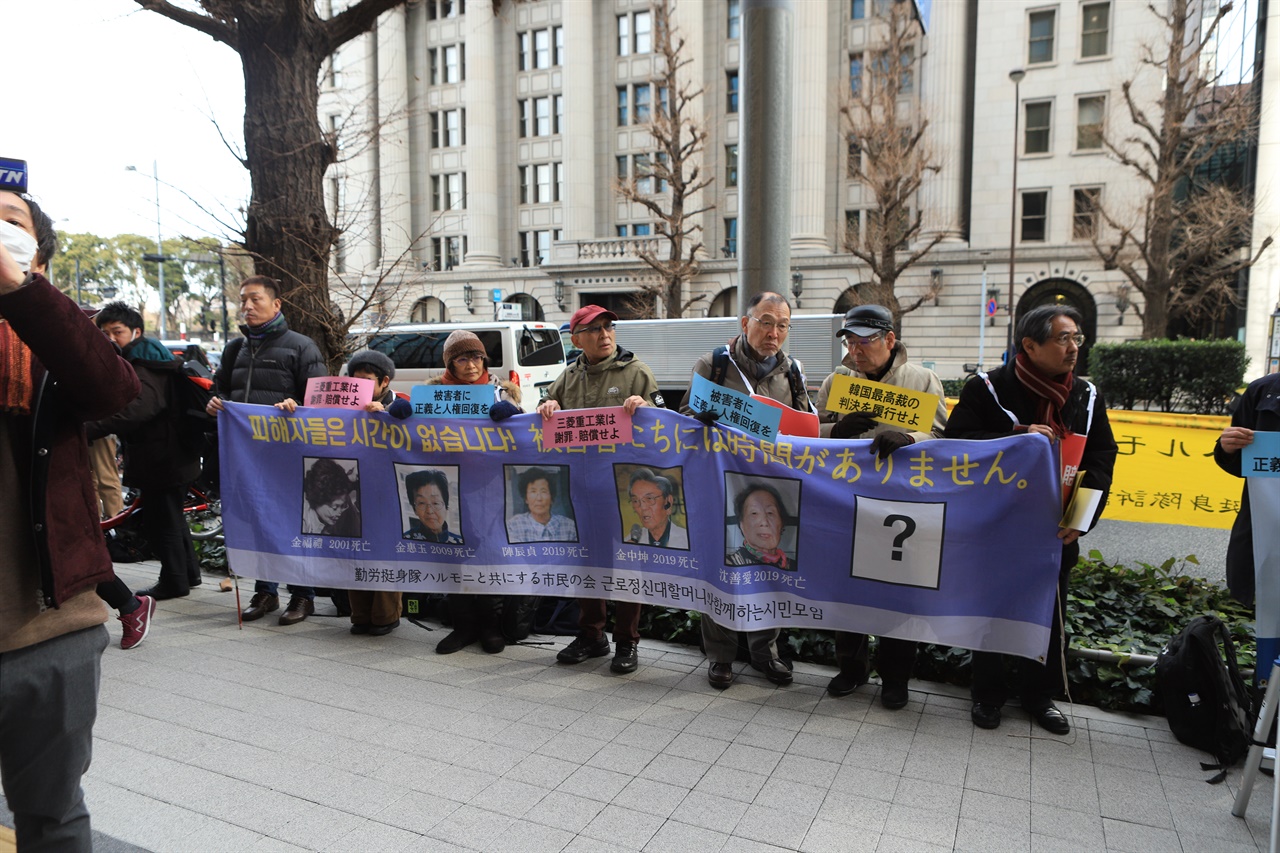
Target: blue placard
x=451 y=401
x=13 y=175
x=735 y=409
x=1262 y=457
x=497 y=294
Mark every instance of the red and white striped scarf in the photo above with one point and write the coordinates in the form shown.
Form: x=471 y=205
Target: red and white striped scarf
x=1050 y=392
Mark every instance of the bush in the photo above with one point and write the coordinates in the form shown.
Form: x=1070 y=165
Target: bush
x=1184 y=376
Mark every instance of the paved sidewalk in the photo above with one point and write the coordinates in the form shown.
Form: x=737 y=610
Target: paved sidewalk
x=309 y=738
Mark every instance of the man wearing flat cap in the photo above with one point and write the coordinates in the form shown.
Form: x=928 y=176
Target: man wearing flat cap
x=875 y=353
x=604 y=375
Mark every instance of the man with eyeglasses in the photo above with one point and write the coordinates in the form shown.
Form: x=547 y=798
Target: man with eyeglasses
x=875 y=353
x=604 y=375
x=652 y=499
x=1038 y=393
x=752 y=363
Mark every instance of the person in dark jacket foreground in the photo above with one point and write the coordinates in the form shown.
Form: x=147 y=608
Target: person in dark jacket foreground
x=1038 y=393
x=56 y=371
x=156 y=461
x=270 y=364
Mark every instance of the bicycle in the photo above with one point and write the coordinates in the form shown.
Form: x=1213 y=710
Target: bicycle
x=201 y=508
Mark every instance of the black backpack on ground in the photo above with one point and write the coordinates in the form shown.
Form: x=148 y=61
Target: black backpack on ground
x=558 y=616
x=1205 y=699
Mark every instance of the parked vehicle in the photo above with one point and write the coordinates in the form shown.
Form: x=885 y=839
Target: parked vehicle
x=670 y=347
x=527 y=353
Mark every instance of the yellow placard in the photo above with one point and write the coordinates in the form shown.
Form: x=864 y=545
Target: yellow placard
x=888 y=404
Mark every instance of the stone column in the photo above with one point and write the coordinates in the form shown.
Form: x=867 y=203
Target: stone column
x=809 y=130
x=1264 y=278
x=577 y=134
x=942 y=92
x=480 y=98
x=393 y=138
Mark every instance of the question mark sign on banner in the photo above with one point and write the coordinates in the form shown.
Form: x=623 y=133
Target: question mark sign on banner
x=908 y=527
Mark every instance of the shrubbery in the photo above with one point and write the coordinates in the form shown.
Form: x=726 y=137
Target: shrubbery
x=1184 y=376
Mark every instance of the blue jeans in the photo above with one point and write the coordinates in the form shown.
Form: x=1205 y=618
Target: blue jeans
x=308 y=592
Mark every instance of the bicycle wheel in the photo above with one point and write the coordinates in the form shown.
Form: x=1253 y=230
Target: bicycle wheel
x=203 y=513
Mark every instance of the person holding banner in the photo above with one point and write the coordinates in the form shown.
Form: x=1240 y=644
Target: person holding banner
x=604 y=375
x=752 y=363
x=270 y=364
x=1040 y=394
x=475 y=617
x=875 y=353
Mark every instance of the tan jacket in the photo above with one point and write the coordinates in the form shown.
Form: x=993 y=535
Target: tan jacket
x=776 y=384
x=901 y=373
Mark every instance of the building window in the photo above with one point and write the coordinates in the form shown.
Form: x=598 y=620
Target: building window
x=541 y=183
x=448 y=128
x=644 y=32
x=538 y=49
x=731 y=165
x=622 y=169
x=444 y=9
x=449 y=192
x=641 y=229
x=853 y=226
x=333 y=70
x=731 y=238
x=624 y=35
x=855 y=73
x=535 y=247
x=854 y=163
x=663 y=184
x=1095 y=30
x=447 y=252
x=731 y=100
x=1036 y=140
x=542 y=49
x=642 y=114
x=540 y=116
x=664 y=101
x=1040 y=44
x=635 y=33
x=735 y=19
x=524 y=51
x=1084 y=213
x=643 y=173
x=558 y=57
x=1090 y=113
x=907 y=83
x=859 y=10
x=1035 y=216
x=623 y=113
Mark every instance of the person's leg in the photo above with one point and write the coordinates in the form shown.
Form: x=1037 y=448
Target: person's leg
x=385 y=607
x=853 y=660
x=361 y=609
x=462 y=610
x=307 y=592
x=106 y=475
x=48 y=704
x=720 y=643
x=591 y=618
x=626 y=621
x=163 y=524
x=894 y=661
x=118 y=596
x=763 y=645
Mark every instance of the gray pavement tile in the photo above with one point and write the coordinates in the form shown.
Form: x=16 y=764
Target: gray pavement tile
x=544 y=771
x=373 y=835
x=753 y=758
x=927 y=826
x=728 y=704
x=877 y=735
x=416 y=812
x=921 y=794
x=531 y=838
x=562 y=810
x=874 y=756
x=774 y=822
x=709 y=811
x=552 y=717
x=697 y=747
x=800 y=768
x=956 y=730
x=647 y=688
x=797 y=698
x=765 y=736
x=781 y=718
x=622 y=759
x=1128 y=757
x=629 y=710
x=1210 y=820
x=598 y=724
x=571 y=746
x=993 y=780
x=473 y=827
x=1179 y=790
x=898 y=844
x=1076 y=793
x=1193 y=842
x=275 y=845
x=645 y=736
x=595 y=783
x=509 y=797
x=837 y=728
x=853 y=809
x=665 y=716
x=687 y=701
x=810 y=745
x=826 y=836
x=737 y=844
x=651 y=797
x=718 y=727
x=734 y=784
x=1080 y=828
x=625 y=827
x=459 y=784
x=215 y=836
x=491 y=758
x=978 y=836
x=1055 y=767
x=796 y=798
x=675 y=770
x=996 y=811
x=945 y=770
x=673 y=836
x=583 y=844
x=875 y=783
x=1127 y=837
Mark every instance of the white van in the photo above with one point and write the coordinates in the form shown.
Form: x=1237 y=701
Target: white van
x=526 y=353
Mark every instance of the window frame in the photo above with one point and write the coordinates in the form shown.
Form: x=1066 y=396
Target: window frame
x=1052 y=38
x=1092 y=215
x=1101 y=125
x=1104 y=31
x=1047 y=129
x=1024 y=219
x=731 y=93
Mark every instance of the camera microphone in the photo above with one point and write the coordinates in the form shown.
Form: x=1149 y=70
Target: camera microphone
x=636 y=532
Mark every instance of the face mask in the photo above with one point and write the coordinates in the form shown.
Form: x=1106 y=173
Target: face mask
x=19 y=243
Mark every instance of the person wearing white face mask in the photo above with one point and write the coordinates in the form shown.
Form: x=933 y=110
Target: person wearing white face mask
x=56 y=371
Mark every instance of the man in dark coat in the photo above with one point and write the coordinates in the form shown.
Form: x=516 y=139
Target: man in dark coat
x=56 y=371
x=1038 y=393
x=270 y=364
x=156 y=461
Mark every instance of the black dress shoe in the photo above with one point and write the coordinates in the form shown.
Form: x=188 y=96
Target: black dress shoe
x=455 y=641
x=1050 y=718
x=985 y=716
x=360 y=628
x=582 y=648
x=626 y=659
x=163 y=592
x=775 y=670
x=893 y=696
x=381 y=630
x=492 y=641
x=845 y=683
x=720 y=675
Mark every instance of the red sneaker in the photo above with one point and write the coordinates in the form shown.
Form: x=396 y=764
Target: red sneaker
x=138 y=623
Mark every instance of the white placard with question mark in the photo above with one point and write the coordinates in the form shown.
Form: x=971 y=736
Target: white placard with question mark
x=898 y=542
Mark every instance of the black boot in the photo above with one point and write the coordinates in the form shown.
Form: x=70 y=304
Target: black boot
x=489 y=611
x=465 y=631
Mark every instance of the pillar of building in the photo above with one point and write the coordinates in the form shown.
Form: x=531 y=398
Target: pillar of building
x=481 y=86
x=393 y=139
x=942 y=96
x=577 y=136
x=1264 y=278
x=809 y=129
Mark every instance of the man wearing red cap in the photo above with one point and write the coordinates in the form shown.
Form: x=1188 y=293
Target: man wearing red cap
x=604 y=375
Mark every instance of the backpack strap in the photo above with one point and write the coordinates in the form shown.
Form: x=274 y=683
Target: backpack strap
x=719 y=364
x=799 y=394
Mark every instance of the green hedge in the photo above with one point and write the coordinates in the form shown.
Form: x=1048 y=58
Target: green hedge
x=1172 y=376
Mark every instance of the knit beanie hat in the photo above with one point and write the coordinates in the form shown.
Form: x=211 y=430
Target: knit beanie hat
x=372 y=360
x=462 y=342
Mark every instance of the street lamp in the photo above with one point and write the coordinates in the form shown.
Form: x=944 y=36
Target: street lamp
x=1016 y=76
x=155 y=175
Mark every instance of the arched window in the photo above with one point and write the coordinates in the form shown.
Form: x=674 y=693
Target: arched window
x=847 y=300
x=429 y=310
x=725 y=304
x=530 y=308
x=1064 y=291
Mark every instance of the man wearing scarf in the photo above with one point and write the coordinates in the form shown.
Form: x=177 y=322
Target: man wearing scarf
x=270 y=364
x=56 y=371
x=757 y=365
x=1039 y=393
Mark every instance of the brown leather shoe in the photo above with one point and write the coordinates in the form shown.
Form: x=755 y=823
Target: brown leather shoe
x=720 y=675
x=299 y=608
x=260 y=605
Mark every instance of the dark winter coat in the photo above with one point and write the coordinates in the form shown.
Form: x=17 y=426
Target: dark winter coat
x=79 y=376
x=154 y=455
x=269 y=369
x=1258 y=409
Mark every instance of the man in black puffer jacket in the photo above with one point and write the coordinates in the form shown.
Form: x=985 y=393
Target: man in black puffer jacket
x=269 y=364
x=155 y=459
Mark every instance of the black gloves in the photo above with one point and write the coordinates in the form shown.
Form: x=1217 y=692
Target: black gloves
x=853 y=425
x=887 y=442
x=707 y=417
x=502 y=410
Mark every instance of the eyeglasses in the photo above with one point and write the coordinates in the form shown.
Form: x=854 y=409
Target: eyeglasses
x=595 y=330
x=1065 y=338
x=859 y=341
x=468 y=359
x=646 y=500
x=770 y=326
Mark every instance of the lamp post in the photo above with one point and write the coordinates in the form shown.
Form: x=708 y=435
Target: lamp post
x=155 y=175
x=1016 y=76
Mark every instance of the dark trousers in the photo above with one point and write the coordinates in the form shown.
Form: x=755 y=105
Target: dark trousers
x=1038 y=682
x=626 y=620
x=170 y=538
x=118 y=596
x=894 y=660
x=369 y=607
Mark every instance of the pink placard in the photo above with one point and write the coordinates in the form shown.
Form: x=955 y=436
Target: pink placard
x=338 y=392
x=585 y=427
